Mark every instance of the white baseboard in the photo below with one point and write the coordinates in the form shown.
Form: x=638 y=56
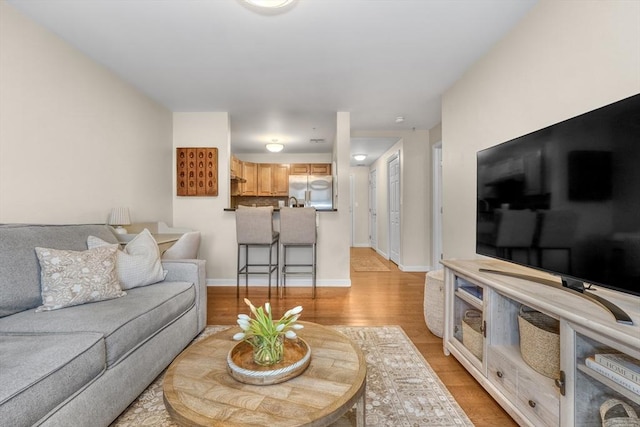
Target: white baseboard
x=361 y=245
x=382 y=254
x=414 y=268
x=262 y=282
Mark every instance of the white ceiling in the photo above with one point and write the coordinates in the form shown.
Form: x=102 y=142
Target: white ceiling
x=372 y=147
x=285 y=75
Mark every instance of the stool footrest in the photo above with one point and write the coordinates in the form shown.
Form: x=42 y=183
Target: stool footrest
x=296 y=265
x=245 y=270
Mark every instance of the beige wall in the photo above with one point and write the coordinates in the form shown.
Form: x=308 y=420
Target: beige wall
x=360 y=208
x=75 y=140
x=415 y=198
x=563 y=59
x=435 y=134
x=335 y=227
x=218 y=227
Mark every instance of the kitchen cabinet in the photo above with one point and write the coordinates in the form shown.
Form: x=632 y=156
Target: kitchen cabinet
x=280 y=179
x=320 y=169
x=310 y=169
x=236 y=167
x=273 y=179
x=587 y=331
x=250 y=174
x=264 y=179
x=299 y=169
x=235 y=171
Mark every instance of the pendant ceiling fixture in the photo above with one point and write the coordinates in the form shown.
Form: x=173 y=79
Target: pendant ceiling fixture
x=271 y=4
x=274 y=147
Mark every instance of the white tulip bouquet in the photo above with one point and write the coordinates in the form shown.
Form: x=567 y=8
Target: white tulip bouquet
x=265 y=334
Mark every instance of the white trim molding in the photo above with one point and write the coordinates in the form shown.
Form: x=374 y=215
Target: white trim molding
x=262 y=282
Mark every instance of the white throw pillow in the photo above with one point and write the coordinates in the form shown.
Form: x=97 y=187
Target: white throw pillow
x=71 y=278
x=138 y=263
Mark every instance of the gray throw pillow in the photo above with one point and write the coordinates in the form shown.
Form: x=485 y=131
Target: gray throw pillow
x=139 y=263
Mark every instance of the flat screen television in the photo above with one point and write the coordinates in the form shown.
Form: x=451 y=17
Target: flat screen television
x=566 y=199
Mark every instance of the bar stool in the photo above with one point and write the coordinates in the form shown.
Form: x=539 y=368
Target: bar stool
x=254 y=228
x=298 y=229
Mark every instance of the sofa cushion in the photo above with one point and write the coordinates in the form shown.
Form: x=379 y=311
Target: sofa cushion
x=138 y=263
x=19 y=269
x=126 y=322
x=69 y=278
x=41 y=371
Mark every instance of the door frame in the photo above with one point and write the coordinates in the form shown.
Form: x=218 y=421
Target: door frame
x=351 y=207
x=436 y=203
x=390 y=159
x=373 y=209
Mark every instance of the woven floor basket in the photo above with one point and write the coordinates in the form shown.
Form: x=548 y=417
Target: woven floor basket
x=472 y=332
x=540 y=341
x=434 y=302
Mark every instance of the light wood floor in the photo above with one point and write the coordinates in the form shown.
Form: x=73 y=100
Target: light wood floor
x=374 y=299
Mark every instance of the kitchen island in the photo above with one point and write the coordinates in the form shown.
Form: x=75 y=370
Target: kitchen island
x=278 y=209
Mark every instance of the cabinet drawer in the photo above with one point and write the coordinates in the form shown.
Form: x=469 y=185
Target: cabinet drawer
x=538 y=399
x=502 y=372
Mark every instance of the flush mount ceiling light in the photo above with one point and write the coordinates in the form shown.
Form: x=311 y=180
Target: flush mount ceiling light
x=399 y=119
x=274 y=147
x=359 y=157
x=269 y=4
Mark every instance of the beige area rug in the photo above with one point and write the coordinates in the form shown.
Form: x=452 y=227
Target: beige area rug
x=368 y=263
x=402 y=389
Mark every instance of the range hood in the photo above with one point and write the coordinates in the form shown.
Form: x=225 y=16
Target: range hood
x=239 y=179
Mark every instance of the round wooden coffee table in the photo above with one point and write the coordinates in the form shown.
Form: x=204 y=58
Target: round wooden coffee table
x=198 y=390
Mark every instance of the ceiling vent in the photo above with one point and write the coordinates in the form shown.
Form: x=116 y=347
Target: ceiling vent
x=316 y=140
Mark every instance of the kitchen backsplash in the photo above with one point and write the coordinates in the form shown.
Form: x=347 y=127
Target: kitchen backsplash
x=257 y=201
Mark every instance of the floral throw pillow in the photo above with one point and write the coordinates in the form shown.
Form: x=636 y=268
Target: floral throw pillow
x=69 y=278
x=138 y=263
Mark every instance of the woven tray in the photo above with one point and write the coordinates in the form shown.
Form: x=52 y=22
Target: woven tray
x=241 y=366
x=540 y=341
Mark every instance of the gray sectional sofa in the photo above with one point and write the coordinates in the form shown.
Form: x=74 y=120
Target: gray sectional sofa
x=83 y=365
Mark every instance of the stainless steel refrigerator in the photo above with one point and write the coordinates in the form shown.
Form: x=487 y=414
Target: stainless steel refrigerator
x=312 y=190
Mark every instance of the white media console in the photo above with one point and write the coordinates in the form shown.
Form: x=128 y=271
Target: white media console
x=586 y=329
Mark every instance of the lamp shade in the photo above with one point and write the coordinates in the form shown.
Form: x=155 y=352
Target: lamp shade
x=119 y=216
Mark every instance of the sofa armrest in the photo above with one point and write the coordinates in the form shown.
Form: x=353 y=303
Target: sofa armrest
x=190 y=270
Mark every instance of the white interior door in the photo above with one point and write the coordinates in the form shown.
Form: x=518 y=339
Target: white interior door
x=394 y=208
x=373 y=216
x=436 y=234
x=351 y=208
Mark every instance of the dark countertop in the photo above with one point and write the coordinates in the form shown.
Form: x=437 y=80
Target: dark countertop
x=278 y=210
